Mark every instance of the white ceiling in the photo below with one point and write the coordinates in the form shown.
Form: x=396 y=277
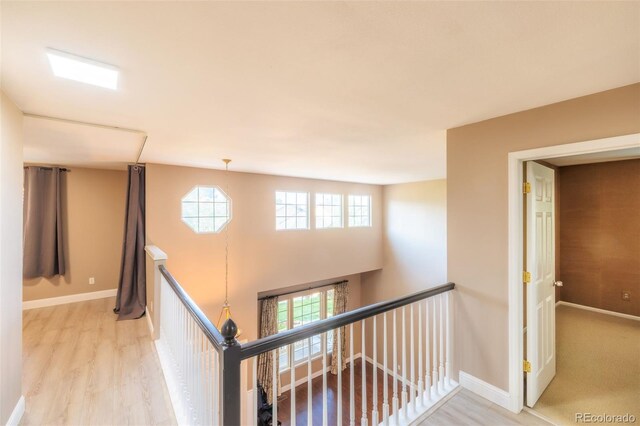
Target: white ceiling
x=67 y=143
x=360 y=91
x=596 y=157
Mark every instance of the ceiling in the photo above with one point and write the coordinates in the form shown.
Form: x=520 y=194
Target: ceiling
x=360 y=91
x=596 y=157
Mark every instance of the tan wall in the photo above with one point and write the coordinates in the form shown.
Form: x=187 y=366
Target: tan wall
x=477 y=210
x=94 y=201
x=10 y=257
x=261 y=258
x=414 y=241
x=600 y=236
x=415 y=250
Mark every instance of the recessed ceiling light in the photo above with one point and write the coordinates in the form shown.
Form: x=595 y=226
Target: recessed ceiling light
x=81 y=69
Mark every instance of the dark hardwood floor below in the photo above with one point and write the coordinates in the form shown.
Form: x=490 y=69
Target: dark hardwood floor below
x=284 y=402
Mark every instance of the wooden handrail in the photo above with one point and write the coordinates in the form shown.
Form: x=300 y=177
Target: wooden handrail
x=287 y=337
x=201 y=319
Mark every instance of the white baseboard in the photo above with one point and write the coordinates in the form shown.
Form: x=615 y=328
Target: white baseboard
x=17 y=413
x=72 y=298
x=149 y=322
x=485 y=390
x=390 y=372
x=598 y=310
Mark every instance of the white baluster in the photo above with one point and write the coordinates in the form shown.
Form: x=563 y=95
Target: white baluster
x=199 y=377
x=325 y=416
x=292 y=412
x=374 y=372
x=434 y=341
x=427 y=351
x=441 y=346
x=216 y=385
x=412 y=368
x=274 y=390
x=448 y=314
x=363 y=361
x=420 y=381
x=396 y=408
x=385 y=390
x=339 y=357
x=309 y=389
x=405 y=402
x=352 y=403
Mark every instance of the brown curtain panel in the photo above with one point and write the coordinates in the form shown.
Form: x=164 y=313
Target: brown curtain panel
x=131 y=299
x=43 y=254
x=268 y=327
x=340 y=298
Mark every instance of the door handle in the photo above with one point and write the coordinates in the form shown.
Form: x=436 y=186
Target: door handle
x=558 y=283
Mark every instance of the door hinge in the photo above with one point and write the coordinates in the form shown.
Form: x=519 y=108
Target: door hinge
x=526 y=366
x=526 y=187
x=526 y=277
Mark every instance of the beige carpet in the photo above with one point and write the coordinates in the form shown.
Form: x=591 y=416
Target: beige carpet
x=598 y=367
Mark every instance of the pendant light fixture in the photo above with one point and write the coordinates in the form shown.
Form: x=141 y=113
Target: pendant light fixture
x=225 y=313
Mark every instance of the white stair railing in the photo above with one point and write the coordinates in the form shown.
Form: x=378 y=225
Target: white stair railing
x=420 y=340
x=202 y=365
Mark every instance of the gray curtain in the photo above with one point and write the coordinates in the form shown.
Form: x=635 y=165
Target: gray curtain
x=268 y=326
x=43 y=254
x=340 y=299
x=132 y=292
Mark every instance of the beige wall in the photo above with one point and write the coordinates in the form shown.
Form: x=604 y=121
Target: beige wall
x=477 y=210
x=414 y=241
x=415 y=248
x=10 y=257
x=261 y=258
x=600 y=236
x=94 y=202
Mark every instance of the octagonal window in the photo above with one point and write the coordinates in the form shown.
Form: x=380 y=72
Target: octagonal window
x=206 y=209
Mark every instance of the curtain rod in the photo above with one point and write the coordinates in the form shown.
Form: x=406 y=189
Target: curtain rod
x=62 y=169
x=276 y=293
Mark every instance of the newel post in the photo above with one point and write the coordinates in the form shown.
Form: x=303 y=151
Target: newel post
x=231 y=397
x=155 y=258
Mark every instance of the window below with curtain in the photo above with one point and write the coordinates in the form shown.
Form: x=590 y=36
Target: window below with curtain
x=283 y=312
x=298 y=310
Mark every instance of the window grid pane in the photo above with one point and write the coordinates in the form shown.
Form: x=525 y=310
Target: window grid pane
x=206 y=209
x=359 y=210
x=292 y=210
x=301 y=310
x=328 y=211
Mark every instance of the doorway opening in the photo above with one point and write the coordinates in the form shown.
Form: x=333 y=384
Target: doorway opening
x=540 y=242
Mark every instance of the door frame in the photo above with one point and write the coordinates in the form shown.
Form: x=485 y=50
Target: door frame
x=516 y=241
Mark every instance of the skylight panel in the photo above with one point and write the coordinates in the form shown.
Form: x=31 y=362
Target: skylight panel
x=77 y=68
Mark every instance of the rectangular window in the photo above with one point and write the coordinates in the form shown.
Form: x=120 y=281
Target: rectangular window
x=292 y=210
x=359 y=210
x=300 y=310
x=328 y=211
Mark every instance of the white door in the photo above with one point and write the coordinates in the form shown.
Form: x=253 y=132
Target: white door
x=541 y=300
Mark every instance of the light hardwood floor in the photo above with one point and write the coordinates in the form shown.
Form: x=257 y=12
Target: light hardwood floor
x=466 y=408
x=82 y=367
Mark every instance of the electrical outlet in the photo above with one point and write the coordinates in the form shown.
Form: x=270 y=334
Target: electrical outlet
x=626 y=296
x=92 y=280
